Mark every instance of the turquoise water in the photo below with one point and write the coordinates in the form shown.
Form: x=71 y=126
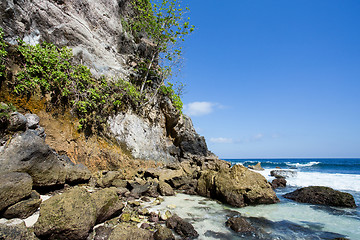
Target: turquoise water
x=287 y=219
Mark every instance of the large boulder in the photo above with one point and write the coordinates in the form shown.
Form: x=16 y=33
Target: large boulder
x=28 y=153
x=278 y=182
x=14 y=187
x=323 y=196
x=17 y=122
x=126 y=231
x=164 y=233
x=181 y=227
x=33 y=121
x=165 y=189
x=70 y=215
x=237 y=186
x=25 y=208
x=107 y=204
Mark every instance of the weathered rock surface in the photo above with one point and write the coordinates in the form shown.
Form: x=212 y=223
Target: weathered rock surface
x=32 y=121
x=165 y=189
x=107 y=204
x=17 y=122
x=14 y=187
x=25 y=208
x=237 y=186
x=126 y=231
x=28 y=153
x=278 y=182
x=164 y=233
x=256 y=167
x=323 y=196
x=239 y=224
x=181 y=227
x=16 y=230
x=283 y=173
x=70 y=215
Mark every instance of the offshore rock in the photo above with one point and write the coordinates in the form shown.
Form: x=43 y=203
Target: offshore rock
x=182 y=227
x=283 y=173
x=70 y=215
x=278 y=182
x=14 y=187
x=239 y=224
x=256 y=167
x=24 y=208
x=323 y=196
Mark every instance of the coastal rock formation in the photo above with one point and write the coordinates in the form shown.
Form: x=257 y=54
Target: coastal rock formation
x=25 y=208
x=278 y=182
x=256 y=167
x=70 y=215
x=16 y=230
x=237 y=186
x=181 y=227
x=107 y=203
x=323 y=196
x=283 y=173
x=129 y=231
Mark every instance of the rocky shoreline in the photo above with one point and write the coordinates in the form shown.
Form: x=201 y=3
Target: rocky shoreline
x=109 y=204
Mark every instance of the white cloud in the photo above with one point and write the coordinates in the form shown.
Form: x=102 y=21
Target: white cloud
x=199 y=108
x=221 y=140
x=257 y=137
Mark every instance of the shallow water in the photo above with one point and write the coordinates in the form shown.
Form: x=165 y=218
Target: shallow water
x=285 y=220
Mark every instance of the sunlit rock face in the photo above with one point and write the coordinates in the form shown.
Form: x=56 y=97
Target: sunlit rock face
x=93 y=29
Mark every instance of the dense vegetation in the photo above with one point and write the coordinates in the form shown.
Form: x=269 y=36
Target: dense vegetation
x=50 y=71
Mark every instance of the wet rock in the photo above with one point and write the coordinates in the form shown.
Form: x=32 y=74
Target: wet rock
x=107 y=204
x=14 y=187
x=70 y=215
x=181 y=227
x=278 y=182
x=17 y=122
x=33 y=121
x=28 y=153
x=165 y=189
x=256 y=167
x=129 y=231
x=283 y=173
x=323 y=196
x=239 y=224
x=164 y=233
x=16 y=230
x=24 y=208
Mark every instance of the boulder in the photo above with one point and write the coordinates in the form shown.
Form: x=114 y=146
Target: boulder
x=164 y=233
x=28 y=153
x=278 y=182
x=163 y=174
x=239 y=224
x=17 y=122
x=126 y=231
x=165 y=189
x=70 y=215
x=181 y=227
x=32 y=121
x=256 y=167
x=24 y=208
x=283 y=173
x=14 y=187
x=76 y=173
x=237 y=186
x=107 y=203
x=322 y=195
x=108 y=177
x=16 y=230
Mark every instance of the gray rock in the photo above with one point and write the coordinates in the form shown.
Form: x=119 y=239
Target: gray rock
x=107 y=204
x=14 y=187
x=77 y=173
x=33 y=121
x=70 y=215
x=283 y=173
x=17 y=122
x=24 y=208
x=181 y=227
x=16 y=230
x=28 y=153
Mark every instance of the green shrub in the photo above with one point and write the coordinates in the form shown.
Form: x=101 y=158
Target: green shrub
x=3 y=53
x=175 y=98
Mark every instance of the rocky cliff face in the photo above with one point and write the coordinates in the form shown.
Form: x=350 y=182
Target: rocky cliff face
x=94 y=31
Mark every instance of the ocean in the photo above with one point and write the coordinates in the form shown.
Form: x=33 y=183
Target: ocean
x=287 y=219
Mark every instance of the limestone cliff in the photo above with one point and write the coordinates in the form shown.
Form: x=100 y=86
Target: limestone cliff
x=94 y=32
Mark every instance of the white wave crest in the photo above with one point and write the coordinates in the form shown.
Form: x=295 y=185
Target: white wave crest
x=302 y=164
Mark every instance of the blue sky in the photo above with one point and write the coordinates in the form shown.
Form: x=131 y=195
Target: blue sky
x=275 y=79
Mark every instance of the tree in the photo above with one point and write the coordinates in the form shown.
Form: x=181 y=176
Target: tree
x=163 y=23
